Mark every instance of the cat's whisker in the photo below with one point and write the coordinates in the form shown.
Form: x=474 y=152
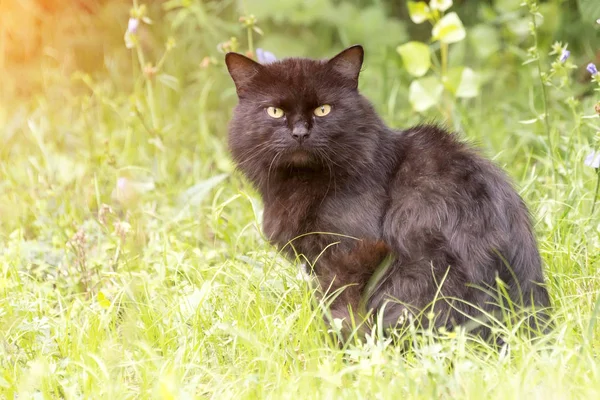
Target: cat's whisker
x=323 y=157
x=270 y=167
x=255 y=152
x=262 y=146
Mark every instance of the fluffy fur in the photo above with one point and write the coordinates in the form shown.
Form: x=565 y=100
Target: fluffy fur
x=451 y=218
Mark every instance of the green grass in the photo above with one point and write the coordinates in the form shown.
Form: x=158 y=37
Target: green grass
x=165 y=287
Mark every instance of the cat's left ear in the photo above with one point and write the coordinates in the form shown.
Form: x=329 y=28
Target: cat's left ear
x=348 y=63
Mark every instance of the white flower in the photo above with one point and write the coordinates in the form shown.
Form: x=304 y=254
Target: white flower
x=441 y=5
x=132 y=25
x=593 y=160
x=131 y=32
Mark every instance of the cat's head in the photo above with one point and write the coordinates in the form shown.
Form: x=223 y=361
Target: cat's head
x=299 y=112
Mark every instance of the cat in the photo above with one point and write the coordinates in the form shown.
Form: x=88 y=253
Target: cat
x=347 y=192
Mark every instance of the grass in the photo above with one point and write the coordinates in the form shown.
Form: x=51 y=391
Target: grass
x=132 y=263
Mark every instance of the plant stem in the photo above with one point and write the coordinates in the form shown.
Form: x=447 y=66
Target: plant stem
x=444 y=51
x=250 y=41
x=544 y=95
x=596 y=192
x=149 y=87
x=444 y=55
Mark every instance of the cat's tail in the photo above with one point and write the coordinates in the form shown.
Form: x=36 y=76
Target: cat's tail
x=528 y=289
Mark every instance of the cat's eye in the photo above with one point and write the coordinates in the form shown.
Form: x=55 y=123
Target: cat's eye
x=275 y=112
x=323 y=110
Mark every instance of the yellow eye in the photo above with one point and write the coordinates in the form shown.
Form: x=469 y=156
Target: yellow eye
x=323 y=110
x=275 y=112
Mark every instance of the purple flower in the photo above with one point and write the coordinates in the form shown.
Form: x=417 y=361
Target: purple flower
x=265 y=57
x=132 y=25
x=591 y=68
x=593 y=160
x=564 y=55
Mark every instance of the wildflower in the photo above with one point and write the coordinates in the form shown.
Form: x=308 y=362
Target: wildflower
x=104 y=210
x=265 y=57
x=205 y=62
x=591 y=68
x=122 y=183
x=248 y=20
x=597 y=108
x=150 y=70
x=131 y=32
x=564 y=55
x=593 y=160
x=124 y=191
x=79 y=239
x=122 y=228
x=171 y=43
x=230 y=45
x=441 y=5
x=132 y=25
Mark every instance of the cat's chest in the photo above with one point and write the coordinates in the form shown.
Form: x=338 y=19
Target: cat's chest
x=355 y=213
x=309 y=219
x=285 y=216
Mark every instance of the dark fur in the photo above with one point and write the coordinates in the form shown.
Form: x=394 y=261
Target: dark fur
x=449 y=216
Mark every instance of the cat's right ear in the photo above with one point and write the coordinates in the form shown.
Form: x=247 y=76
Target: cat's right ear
x=242 y=69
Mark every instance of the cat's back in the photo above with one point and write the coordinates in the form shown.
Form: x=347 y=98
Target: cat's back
x=434 y=159
x=445 y=195
x=450 y=205
x=441 y=184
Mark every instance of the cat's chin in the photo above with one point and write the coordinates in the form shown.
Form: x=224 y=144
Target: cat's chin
x=299 y=158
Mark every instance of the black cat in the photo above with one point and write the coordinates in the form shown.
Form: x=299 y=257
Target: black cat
x=346 y=191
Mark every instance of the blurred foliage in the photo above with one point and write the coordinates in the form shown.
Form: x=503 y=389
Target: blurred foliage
x=39 y=35
x=131 y=258
x=73 y=63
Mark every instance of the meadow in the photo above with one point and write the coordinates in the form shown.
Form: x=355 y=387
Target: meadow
x=132 y=263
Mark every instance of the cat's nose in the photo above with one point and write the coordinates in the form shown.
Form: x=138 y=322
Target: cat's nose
x=300 y=133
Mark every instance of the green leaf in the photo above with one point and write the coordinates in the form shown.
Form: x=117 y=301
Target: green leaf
x=506 y=6
x=589 y=9
x=103 y=301
x=424 y=93
x=189 y=305
x=440 y=5
x=419 y=11
x=529 y=121
x=4 y=383
x=374 y=282
x=169 y=81
x=449 y=29
x=469 y=84
x=416 y=57
x=462 y=82
x=553 y=14
x=484 y=40
x=195 y=194
x=453 y=78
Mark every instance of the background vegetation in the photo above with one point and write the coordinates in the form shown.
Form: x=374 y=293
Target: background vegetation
x=131 y=259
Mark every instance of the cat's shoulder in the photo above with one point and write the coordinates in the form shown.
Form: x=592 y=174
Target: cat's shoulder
x=430 y=137
x=441 y=155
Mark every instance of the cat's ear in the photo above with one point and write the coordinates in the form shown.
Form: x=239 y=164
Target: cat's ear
x=348 y=63
x=242 y=69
